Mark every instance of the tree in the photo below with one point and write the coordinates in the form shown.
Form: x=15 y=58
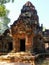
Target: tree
x=2 y=10
x=5 y=1
x=4 y=20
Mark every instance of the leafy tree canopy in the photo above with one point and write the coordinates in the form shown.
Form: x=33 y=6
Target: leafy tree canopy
x=5 y=1
x=3 y=10
x=4 y=20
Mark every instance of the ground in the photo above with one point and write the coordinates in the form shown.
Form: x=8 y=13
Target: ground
x=19 y=57
x=22 y=58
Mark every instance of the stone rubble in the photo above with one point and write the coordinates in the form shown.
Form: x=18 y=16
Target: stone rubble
x=18 y=57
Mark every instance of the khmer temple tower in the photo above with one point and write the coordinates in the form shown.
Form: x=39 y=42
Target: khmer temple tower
x=25 y=33
x=25 y=28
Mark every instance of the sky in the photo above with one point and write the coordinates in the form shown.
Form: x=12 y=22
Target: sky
x=42 y=7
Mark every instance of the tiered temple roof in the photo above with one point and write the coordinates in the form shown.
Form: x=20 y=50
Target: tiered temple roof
x=28 y=13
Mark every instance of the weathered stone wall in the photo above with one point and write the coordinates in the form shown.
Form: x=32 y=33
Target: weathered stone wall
x=28 y=41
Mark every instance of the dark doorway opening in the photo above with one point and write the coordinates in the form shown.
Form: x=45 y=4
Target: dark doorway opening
x=10 y=46
x=22 y=44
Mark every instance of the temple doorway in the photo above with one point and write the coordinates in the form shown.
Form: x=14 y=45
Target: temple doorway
x=10 y=46
x=22 y=44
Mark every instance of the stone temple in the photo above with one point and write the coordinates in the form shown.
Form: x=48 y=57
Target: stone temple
x=25 y=33
x=26 y=28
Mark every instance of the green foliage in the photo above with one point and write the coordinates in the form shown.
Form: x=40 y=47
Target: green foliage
x=12 y=0
x=4 y=24
x=2 y=10
x=5 y=1
x=4 y=20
